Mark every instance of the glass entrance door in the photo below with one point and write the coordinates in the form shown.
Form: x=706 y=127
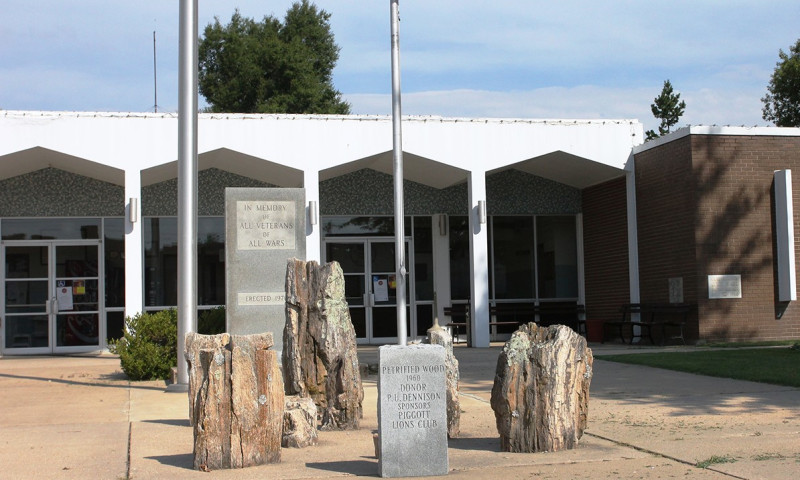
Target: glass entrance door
x=370 y=286
x=51 y=297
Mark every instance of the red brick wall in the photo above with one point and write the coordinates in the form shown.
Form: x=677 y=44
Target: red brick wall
x=605 y=241
x=705 y=207
x=665 y=215
x=735 y=233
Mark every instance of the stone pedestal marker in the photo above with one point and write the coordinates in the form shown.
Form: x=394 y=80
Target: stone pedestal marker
x=540 y=395
x=263 y=228
x=412 y=411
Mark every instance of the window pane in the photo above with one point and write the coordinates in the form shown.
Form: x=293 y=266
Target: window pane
x=114 y=251
x=357 y=226
x=27 y=262
x=382 y=257
x=73 y=330
x=358 y=316
x=354 y=289
x=27 y=331
x=558 y=256
x=211 y=260
x=24 y=296
x=361 y=226
x=51 y=229
x=161 y=261
x=513 y=272
x=349 y=255
x=115 y=325
x=423 y=258
x=76 y=261
x=384 y=322
x=459 y=257
x=424 y=319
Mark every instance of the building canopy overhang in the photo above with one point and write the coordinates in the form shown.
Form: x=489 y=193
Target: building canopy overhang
x=38 y=158
x=565 y=168
x=233 y=162
x=415 y=168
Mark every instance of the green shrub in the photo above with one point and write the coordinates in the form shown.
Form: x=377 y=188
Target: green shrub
x=149 y=346
x=211 y=322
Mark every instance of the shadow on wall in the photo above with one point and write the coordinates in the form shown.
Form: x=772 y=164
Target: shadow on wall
x=735 y=201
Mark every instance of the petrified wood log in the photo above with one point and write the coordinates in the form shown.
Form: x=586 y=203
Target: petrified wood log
x=441 y=337
x=299 y=422
x=540 y=395
x=319 y=344
x=236 y=400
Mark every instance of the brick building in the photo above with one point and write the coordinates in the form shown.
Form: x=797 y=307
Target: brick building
x=705 y=210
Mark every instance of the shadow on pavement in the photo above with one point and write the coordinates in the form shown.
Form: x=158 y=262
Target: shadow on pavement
x=117 y=382
x=171 y=422
x=183 y=460
x=485 y=444
x=354 y=467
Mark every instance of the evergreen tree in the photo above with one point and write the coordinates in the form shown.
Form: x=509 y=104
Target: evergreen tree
x=271 y=66
x=668 y=107
x=782 y=103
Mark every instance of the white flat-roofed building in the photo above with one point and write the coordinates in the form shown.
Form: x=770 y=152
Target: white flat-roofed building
x=68 y=180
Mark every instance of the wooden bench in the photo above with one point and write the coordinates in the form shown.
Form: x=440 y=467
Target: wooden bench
x=652 y=316
x=511 y=314
x=459 y=317
x=570 y=314
x=545 y=314
x=460 y=314
x=515 y=314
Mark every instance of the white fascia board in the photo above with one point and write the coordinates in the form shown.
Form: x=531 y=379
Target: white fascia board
x=121 y=141
x=316 y=142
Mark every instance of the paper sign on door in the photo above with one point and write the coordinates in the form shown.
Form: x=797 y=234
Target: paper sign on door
x=380 y=287
x=64 y=298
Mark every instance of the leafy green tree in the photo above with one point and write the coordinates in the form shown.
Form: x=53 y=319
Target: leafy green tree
x=668 y=107
x=782 y=103
x=271 y=66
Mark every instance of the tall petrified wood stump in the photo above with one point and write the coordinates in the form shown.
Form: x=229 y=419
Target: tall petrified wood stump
x=319 y=344
x=540 y=396
x=236 y=400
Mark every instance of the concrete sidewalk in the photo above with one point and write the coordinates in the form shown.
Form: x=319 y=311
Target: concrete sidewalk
x=78 y=417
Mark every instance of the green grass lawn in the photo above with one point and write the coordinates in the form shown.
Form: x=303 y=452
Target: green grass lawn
x=779 y=366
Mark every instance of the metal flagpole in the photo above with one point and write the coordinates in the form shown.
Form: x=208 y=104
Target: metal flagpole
x=187 y=180
x=399 y=221
x=155 y=76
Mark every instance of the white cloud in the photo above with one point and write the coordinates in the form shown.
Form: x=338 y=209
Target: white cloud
x=459 y=57
x=705 y=106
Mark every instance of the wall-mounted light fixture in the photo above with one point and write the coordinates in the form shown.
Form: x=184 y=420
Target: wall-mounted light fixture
x=784 y=236
x=442 y=224
x=133 y=209
x=312 y=212
x=482 y=211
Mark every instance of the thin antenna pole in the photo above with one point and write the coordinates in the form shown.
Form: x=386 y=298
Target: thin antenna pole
x=155 y=76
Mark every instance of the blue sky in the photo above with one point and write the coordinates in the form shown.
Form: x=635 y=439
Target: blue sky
x=463 y=58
